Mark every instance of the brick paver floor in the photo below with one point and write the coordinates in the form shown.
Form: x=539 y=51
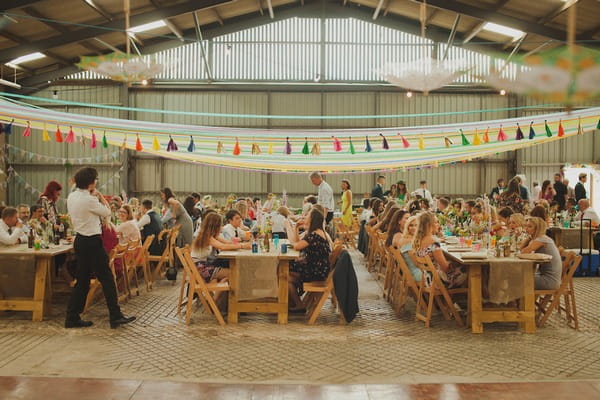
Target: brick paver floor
x=377 y=347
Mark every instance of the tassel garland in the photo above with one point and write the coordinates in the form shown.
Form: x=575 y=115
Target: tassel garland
x=520 y=135
x=58 y=135
x=27 y=131
x=337 y=145
x=236 y=148
x=305 y=149
x=45 y=136
x=138 y=143
x=288 y=146
x=368 y=147
x=501 y=135
x=155 y=144
x=561 y=130
x=548 y=131
x=352 y=151
x=104 y=141
x=192 y=146
x=384 y=143
x=531 y=131
x=70 y=136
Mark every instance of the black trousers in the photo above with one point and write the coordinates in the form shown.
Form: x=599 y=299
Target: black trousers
x=91 y=257
x=329 y=217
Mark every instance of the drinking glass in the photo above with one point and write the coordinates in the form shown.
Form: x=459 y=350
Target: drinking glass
x=469 y=241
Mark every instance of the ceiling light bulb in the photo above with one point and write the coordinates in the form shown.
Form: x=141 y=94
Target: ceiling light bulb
x=409 y=94
x=502 y=92
x=144 y=82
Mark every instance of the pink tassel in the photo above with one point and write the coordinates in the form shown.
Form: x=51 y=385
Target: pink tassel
x=70 y=136
x=93 y=144
x=27 y=131
x=405 y=143
x=384 y=144
x=337 y=145
x=501 y=135
x=171 y=146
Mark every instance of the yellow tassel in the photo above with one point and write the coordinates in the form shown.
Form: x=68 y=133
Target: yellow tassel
x=476 y=139
x=270 y=149
x=579 y=128
x=155 y=144
x=421 y=143
x=45 y=136
x=316 y=149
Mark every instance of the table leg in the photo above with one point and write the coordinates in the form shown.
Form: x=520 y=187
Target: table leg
x=234 y=275
x=527 y=303
x=42 y=271
x=475 y=300
x=282 y=297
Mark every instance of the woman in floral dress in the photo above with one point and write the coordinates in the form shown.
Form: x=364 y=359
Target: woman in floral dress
x=314 y=262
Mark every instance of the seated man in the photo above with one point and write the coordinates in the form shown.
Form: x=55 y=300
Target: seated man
x=37 y=221
x=150 y=224
x=24 y=214
x=233 y=228
x=586 y=212
x=11 y=230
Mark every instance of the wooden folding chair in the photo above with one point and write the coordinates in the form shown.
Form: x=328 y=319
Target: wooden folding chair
x=403 y=282
x=198 y=286
x=390 y=272
x=141 y=261
x=547 y=301
x=346 y=235
x=167 y=256
x=135 y=260
x=318 y=292
x=117 y=253
x=370 y=258
x=380 y=253
x=436 y=292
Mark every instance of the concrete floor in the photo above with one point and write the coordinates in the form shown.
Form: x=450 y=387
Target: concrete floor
x=376 y=348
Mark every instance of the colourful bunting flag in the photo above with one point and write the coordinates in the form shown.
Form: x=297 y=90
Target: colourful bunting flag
x=171 y=146
x=220 y=147
x=288 y=146
x=486 y=135
x=236 y=148
x=45 y=136
x=156 y=145
x=27 y=131
x=58 y=135
x=520 y=135
x=93 y=143
x=337 y=145
x=316 y=149
x=138 y=143
x=192 y=146
x=368 y=147
x=465 y=141
x=352 y=151
x=476 y=138
x=305 y=149
x=384 y=143
x=104 y=141
x=548 y=131
x=70 y=136
x=561 y=130
x=421 y=143
x=531 y=131
x=501 y=135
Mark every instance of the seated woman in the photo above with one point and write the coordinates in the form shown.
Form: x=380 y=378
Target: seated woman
x=540 y=212
x=395 y=227
x=205 y=247
x=128 y=230
x=314 y=263
x=549 y=274
x=281 y=223
x=425 y=244
x=516 y=227
x=404 y=244
x=384 y=218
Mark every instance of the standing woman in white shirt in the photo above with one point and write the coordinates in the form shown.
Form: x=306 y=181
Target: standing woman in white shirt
x=128 y=230
x=87 y=206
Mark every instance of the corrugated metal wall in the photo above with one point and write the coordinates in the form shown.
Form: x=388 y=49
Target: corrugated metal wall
x=148 y=175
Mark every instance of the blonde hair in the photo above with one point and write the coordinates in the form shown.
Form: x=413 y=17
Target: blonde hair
x=242 y=207
x=426 y=221
x=409 y=221
x=128 y=210
x=518 y=219
x=284 y=211
x=539 y=225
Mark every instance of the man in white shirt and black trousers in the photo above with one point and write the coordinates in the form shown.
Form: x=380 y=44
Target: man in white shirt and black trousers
x=86 y=206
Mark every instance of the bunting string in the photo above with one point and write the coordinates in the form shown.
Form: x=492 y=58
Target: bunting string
x=13 y=152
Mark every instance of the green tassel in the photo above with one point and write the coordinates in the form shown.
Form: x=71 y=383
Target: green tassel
x=598 y=126
x=305 y=149
x=548 y=131
x=465 y=141
x=352 y=151
x=104 y=141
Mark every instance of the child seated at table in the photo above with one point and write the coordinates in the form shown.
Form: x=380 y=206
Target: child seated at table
x=549 y=274
x=206 y=246
x=425 y=244
x=313 y=264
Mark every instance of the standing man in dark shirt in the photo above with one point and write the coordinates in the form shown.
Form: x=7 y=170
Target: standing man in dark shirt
x=501 y=187
x=378 y=189
x=580 y=192
x=561 y=191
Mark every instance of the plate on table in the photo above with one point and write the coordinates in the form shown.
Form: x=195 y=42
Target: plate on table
x=451 y=239
x=479 y=255
x=534 y=256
